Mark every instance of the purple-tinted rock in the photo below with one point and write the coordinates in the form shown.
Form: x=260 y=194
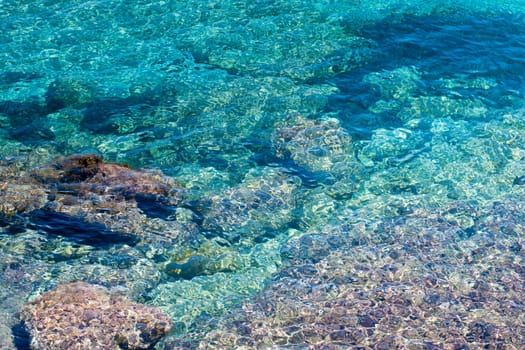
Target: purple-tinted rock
x=84 y=316
x=450 y=278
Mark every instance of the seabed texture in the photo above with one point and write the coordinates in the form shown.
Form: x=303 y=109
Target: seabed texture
x=262 y=175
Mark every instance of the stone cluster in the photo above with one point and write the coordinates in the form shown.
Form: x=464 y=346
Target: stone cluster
x=263 y=202
x=83 y=188
x=317 y=145
x=84 y=316
x=447 y=279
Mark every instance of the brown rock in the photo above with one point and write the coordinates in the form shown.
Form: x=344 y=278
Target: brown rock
x=83 y=316
x=83 y=187
x=87 y=173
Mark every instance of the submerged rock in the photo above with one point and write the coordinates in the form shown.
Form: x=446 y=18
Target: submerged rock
x=447 y=278
x=83 y=188
x=317 y=145
x=194 y=266
x=68 y=92
x=85 y=173
x=398 y=84
x=118 y=115
x=84 y=316
x=262 y=203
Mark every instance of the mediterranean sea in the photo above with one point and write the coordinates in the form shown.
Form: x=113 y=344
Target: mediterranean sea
x=263 y=174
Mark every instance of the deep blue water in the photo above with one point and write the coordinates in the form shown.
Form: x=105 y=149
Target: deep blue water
x=298 y=131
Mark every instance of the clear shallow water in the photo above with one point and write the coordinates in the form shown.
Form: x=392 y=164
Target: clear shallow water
x=371 y=153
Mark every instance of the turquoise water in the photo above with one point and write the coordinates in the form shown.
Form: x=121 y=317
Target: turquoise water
x=341 y=174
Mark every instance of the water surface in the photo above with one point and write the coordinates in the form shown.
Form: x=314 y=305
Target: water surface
x=347 y=174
